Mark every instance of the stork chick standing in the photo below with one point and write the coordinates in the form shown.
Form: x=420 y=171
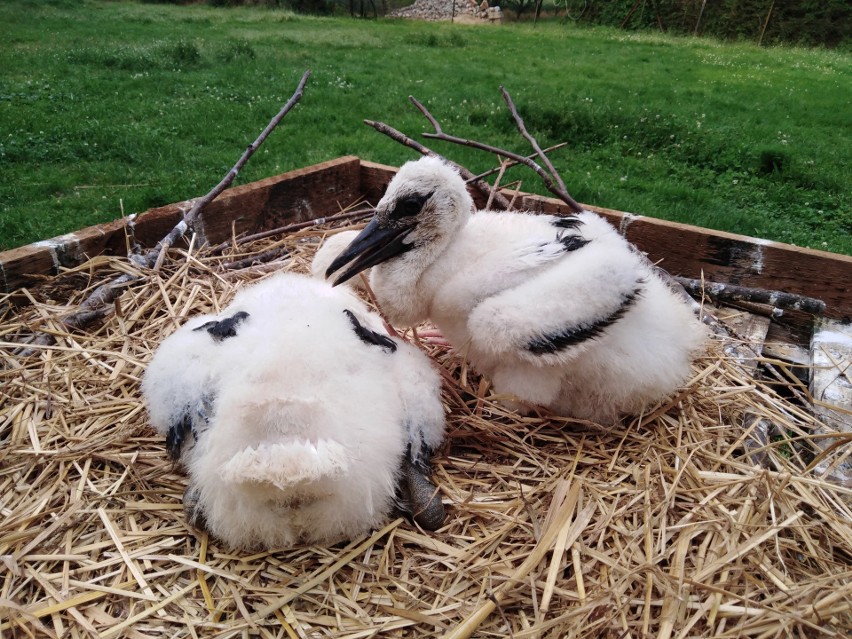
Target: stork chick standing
x=558 y=311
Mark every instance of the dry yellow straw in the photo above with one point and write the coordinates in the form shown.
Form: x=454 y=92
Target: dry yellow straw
x=560 y=520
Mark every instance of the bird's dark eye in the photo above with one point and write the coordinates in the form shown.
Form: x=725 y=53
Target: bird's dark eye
x=409 y=206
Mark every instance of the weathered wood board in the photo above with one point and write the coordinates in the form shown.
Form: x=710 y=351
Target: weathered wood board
x=295 y=196
x=326 y=188
x=831 y=377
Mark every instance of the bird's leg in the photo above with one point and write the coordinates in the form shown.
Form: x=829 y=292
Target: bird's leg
x=192 y=511
x=432 y=335
x=419 y=496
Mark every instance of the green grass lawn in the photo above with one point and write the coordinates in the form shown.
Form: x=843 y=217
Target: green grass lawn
x=114 y=107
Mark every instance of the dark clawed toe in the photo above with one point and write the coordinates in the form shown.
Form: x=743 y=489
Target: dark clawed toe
x=178 y=434
x=193 y=511
x=423 y=497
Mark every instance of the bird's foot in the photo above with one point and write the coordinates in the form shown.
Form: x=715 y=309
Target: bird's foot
x=422 y=498
x=433 y=335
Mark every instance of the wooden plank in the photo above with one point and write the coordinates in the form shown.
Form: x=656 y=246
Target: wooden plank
x=375 y=179
x=322 y=189
x=296 y=196
x=290 y=197
x=831 y=389
x=831 y=386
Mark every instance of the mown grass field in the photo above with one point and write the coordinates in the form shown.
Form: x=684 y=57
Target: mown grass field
x=114 y=107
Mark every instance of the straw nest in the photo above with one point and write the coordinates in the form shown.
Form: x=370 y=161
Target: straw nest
x=556 y=528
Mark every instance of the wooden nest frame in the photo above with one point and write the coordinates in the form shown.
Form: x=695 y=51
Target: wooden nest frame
x=679 y=523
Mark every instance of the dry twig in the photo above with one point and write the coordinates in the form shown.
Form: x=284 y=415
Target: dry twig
x=99 y=304
x=157 y=254
x=403 y=139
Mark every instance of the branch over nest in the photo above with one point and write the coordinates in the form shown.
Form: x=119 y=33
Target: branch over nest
x=554 y=183
x=403 y=139
x=191 y=217
x=99 y=303
x=550 y=177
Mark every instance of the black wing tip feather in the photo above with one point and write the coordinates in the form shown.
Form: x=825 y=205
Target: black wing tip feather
x=573 y=335
x=567 y=222
x=369 y=336
x=178 y=433
x=573 y=242
x=225 y=328
x=181 y=430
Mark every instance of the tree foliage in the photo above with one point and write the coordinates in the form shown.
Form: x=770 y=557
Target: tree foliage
x=807 y=22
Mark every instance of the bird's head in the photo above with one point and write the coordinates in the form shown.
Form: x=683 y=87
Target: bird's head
x=424 y=206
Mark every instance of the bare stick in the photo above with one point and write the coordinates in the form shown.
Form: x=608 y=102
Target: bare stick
x=520 y=159
x=293 y=227
x=731 y=293
x=99 y=303
x=497 y=181
x=510 y=163
x=259 y=258
x=191 y=217
x=519 y=122
x=400 y=137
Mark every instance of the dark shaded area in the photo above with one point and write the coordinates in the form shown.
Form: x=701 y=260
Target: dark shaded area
x=803 y=22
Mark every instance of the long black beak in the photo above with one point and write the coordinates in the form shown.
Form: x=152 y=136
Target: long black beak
x=374 y=245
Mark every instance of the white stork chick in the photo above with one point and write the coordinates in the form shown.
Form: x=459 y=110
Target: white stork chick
x=296 y=419
x=558 y=311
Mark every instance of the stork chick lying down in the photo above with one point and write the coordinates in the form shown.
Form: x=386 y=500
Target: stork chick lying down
x=297 y=419
x=560 y=312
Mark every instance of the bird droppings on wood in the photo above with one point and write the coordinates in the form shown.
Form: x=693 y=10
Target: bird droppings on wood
x=661 y=527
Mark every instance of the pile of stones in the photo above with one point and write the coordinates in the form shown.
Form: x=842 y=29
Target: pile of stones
x=437 y=10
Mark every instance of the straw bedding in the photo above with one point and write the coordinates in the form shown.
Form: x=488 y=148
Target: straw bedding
x=556 y=528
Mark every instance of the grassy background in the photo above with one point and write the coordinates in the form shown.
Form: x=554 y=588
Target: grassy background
x=114 y=106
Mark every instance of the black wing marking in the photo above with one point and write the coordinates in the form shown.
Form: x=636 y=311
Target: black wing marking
x=567 y=222
x=572 y=242
x=179 y=433
x=569 y=242
x=369 y=336
x=574 y=335
x=225 y=328
x=186 y=427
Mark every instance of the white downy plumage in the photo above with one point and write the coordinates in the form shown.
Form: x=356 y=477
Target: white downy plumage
x=296 y=418
x=558 y=311
x=331 y=247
